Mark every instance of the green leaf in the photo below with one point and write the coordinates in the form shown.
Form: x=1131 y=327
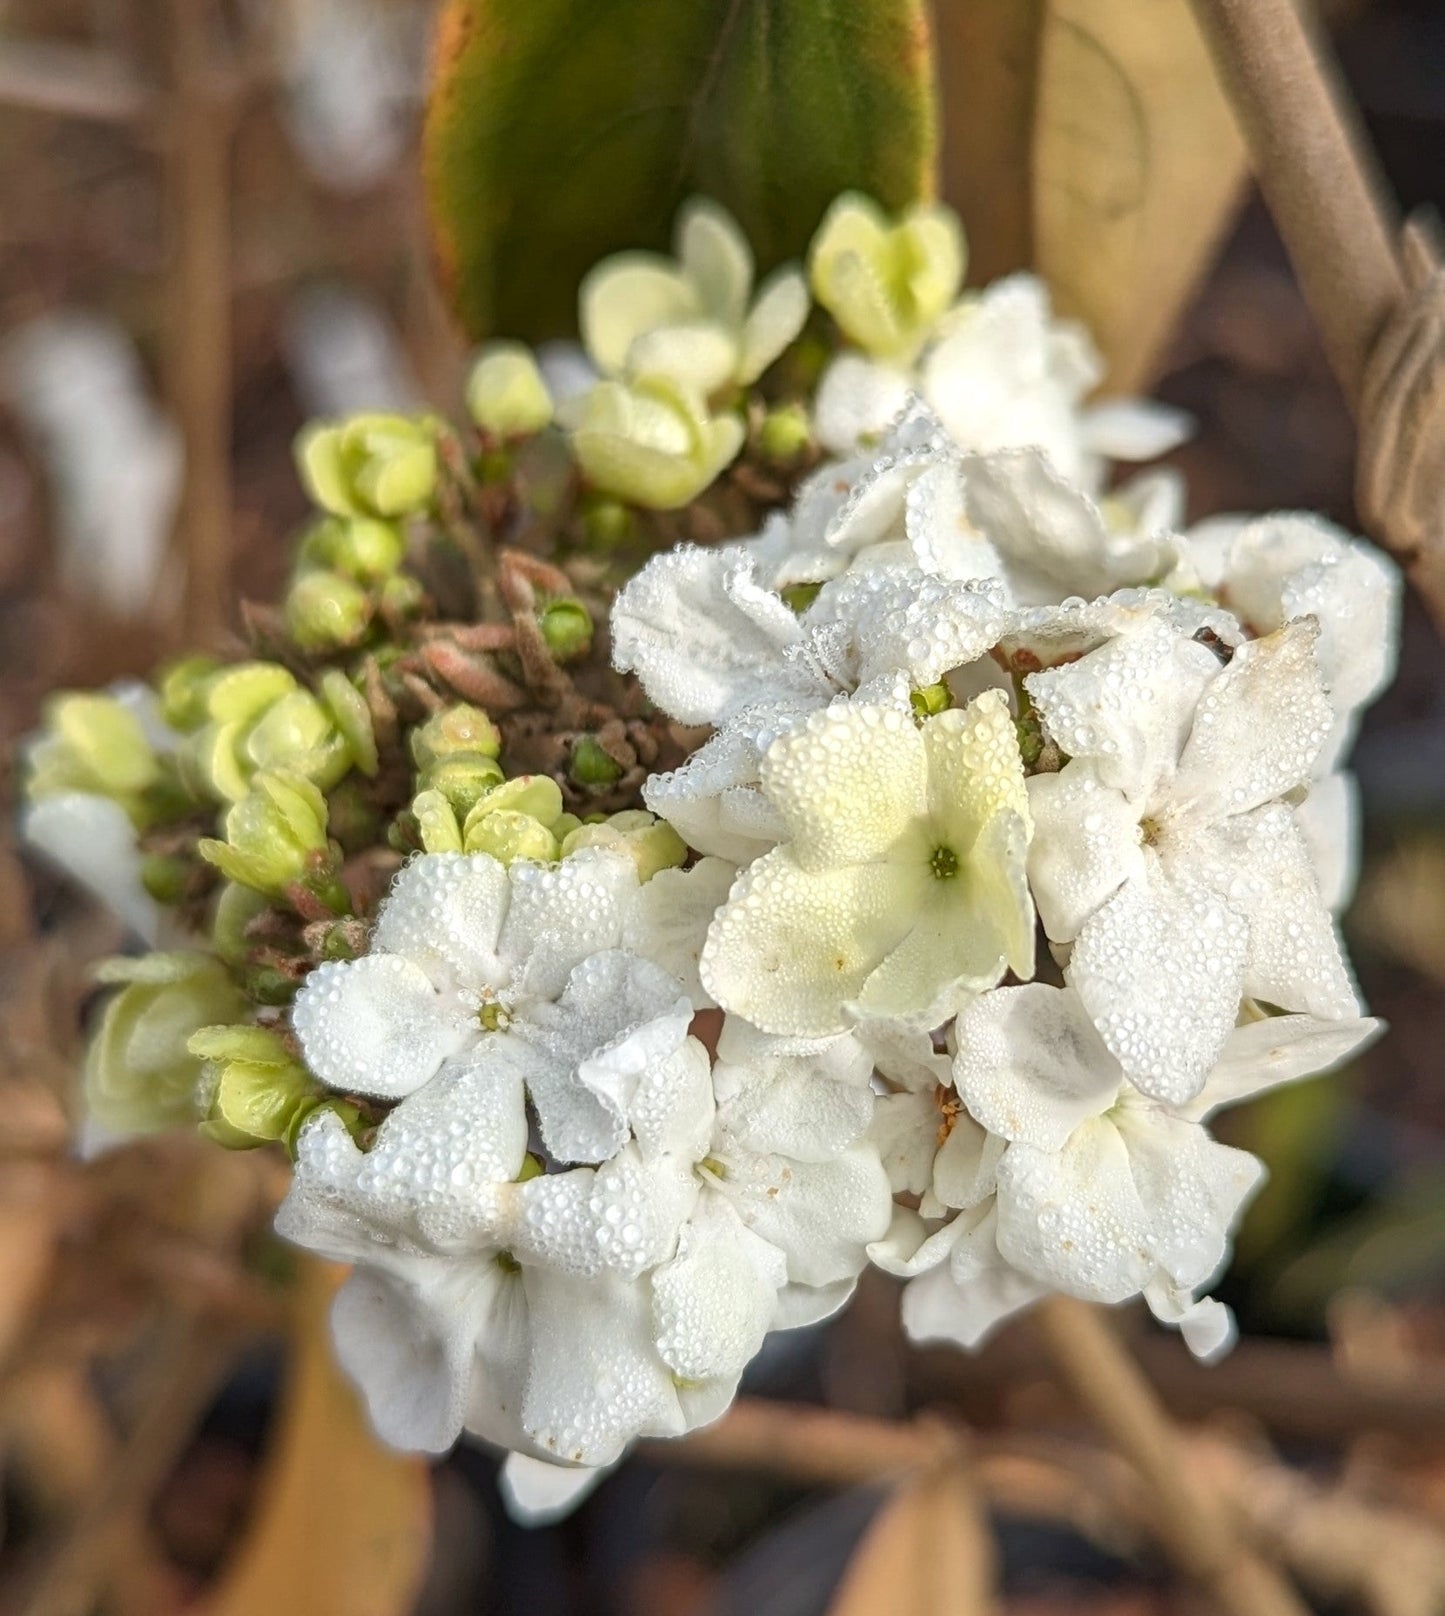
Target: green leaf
x=558 y=133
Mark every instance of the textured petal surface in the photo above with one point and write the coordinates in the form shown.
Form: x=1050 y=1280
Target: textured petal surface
x=1279 y=1049
x=444 y=912
x=562 y=913
x=1086 y=845
x=1030 y=1066
x=376 y=1025
x=856 y=400
x=668 y=922
x=1160 y=969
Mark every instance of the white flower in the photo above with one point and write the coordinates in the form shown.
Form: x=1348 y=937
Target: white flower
x=1090 y=1188
x=695 y=319
x=562 y=1239
x=1292 y=564
x=1166 y=851
x=1002 y=374
x=900 y=885
x=567 y=1313
x=710 y=644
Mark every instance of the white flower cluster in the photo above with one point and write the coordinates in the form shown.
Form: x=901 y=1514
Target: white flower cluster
x=957 y=693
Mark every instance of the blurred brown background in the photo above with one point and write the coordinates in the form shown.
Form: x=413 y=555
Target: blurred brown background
x=210 y=229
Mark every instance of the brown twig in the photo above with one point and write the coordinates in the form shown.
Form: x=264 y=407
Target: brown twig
x=198 y=151
x=1377 y=293
x=1191 y=1521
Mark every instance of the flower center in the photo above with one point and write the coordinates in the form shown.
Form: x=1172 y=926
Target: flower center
x=943 y=863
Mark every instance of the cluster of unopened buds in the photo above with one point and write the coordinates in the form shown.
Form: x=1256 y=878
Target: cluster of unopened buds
x=914 y=878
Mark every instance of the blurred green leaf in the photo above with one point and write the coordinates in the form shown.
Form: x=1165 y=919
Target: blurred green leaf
x=560 y=131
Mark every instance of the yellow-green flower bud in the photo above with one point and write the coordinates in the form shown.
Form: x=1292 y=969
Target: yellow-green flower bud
x=537 y=795
x=606 y=522
x=182 y=687
x=506 y=395
x=139 y=1073
x=886 y=284
x=275 y=837
x=454 y=729
x=930 y=699
x=437 y=822
x=567 y=628
x=369 y=465
x=364 y=548
x=650 y=842
x=164 y=876
x=236 y=908
x=652 y=441
x=507 y=835
x=402 y=596
x=352 y=718
x=326 y=611
x=255 y=1087
x=94 y=744
x=464 y=779
x=591 y=765
x=785 y=434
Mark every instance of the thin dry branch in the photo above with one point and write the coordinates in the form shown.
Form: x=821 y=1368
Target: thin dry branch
x=1191 y=1520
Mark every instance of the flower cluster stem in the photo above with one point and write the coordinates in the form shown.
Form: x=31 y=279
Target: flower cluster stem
x=1192 y=1523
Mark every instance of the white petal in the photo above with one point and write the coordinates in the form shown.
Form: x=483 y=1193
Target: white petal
x=1279 y=1049
x=702 y=634
x=1207 y=1326
x=973 y=1294
x=376 y=1025
x=410 y=1353
x=1128 y=706
x=901 y=619
x=1160 y=969
x=820 y=1215
x=713 y=1302
x=561 y=914
x=904 y=1132
x=444 y=912
x=712 y=801
x=806 y=1099
x=700 y=354
x=792 y=947
x=1086 y=845
x=856 y=401
x=1030 y=1065
x=1135 y=429
x=1259 y=864
x=92 y=839
x=942 y=539
x=1329 y=821
x=966 y=1166
x=595 y=1381
x=539 y=1494
x=668 y=922
x=1259 y=726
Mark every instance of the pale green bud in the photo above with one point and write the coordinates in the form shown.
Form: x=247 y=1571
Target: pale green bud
x=275 y=836
x=94 y=744
x=369 y=465
x=254 y=1085
x=785 y=433
x=352 y=718
x=886 y=284
x=363 y=548
x=183 y=688
x=567 y=628
x=139 y=1073
x=506 y=395
x=326 y=611
x=437 y=822
x=591 y=765
x=464 y=779
x=650 y=842
x=652 y=441
x=236 y=908
x=508 y=835
x=930 y=699
x=454 y=729
x=606 y=522
x=402 y=596
x=537 y=795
